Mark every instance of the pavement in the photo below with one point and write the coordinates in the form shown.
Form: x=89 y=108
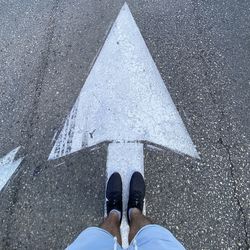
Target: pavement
x=202 y=50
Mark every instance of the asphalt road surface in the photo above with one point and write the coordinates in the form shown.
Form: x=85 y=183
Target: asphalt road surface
x=202 y=50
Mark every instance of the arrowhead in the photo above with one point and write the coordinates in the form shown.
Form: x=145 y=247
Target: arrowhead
x=124 y=99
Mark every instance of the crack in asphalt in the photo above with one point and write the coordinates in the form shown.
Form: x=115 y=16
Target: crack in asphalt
x=38 y=81
x=221 y=113
x=235 y=193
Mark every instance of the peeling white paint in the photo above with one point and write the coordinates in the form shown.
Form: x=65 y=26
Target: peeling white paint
x=54 y=137
x=8 y=166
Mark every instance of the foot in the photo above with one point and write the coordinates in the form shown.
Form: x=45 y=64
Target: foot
x=114 y=194
x=136 y=193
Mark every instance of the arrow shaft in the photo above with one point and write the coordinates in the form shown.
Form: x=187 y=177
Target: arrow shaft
x=125 y=158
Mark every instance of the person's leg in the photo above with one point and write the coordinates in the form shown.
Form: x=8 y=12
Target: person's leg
x=143 y=233
x=137 y=221
x=114 y=206
x=112 y=225
x=102 y=237
x=135 y=217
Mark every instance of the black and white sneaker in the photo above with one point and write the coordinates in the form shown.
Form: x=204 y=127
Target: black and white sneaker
x=114 y=193
x=136 y=193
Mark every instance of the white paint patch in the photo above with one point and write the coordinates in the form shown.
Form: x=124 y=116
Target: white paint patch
x=8 y=166
x=125 y=158
x=154 y=148
x=54 y=137
x=123 y=99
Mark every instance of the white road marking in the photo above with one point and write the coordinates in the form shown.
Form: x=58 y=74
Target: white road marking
x=124 y=98
x=125 y=158
x=8 y=166
x=124 y=101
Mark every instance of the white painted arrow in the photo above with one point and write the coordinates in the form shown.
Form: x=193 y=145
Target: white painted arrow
x=8 y=166
x=124 y=101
